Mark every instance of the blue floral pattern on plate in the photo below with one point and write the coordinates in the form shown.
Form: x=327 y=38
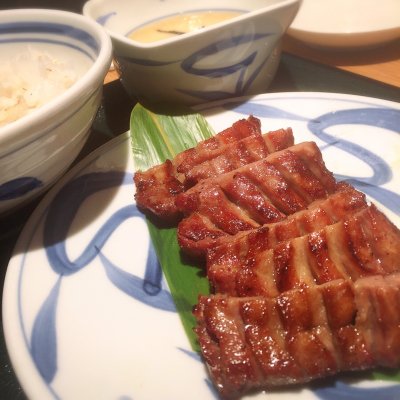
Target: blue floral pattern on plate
x=104 y=180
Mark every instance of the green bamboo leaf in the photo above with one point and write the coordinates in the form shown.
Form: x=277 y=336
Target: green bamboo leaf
x=385 y=375
x=185 y=280
x=155 y=137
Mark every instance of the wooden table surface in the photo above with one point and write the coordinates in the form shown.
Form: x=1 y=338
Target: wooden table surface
x=381 y=64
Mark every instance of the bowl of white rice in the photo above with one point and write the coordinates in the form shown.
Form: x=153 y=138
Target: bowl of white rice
x=52 y=68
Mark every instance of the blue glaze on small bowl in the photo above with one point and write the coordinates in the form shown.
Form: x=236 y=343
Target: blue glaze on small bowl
x=238 y=56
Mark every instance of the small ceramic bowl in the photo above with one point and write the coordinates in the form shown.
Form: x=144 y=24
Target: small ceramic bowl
x=237 y=56
x=45 y=52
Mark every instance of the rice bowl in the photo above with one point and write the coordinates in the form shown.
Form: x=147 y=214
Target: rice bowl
x=37 y=147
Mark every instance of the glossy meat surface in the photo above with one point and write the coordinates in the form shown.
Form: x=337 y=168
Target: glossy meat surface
x=300 y=335
x=363 y=244
x=240 y=153
x=157 y=187
x=216 y=145
x=262 y=192
x=197 y=234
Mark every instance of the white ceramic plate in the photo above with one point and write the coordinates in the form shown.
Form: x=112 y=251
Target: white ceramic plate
x=345 y=24
x=86 y=312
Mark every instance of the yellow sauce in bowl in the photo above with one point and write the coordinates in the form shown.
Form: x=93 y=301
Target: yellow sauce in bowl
x=179 y=24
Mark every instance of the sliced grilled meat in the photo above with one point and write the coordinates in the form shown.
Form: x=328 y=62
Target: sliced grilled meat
x=365 y=243
x=262 y=192
x=239 y=153
x=157 y=187
x=216 y=145
x=303 y=334
x=197 y=234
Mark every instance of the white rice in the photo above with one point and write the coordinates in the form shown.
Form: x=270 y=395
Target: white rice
x=28 y=81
